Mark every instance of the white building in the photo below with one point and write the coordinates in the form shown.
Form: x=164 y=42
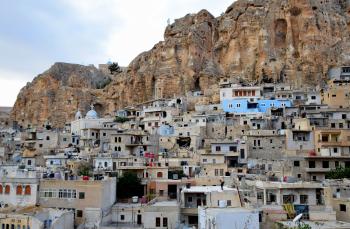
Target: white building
x=223 y=218
x=18 y=187
x=86 y=130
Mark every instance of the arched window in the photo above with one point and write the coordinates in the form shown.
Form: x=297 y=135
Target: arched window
x=119 y=139
x=19 y=190
x=27 y=190
x=0 y=189
x=7 y=189
x=119 y=148
x=159 y=174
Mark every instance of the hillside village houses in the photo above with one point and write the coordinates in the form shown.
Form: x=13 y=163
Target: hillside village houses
x=261 y=156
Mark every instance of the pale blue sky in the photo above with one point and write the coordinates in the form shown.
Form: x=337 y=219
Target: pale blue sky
x=35 y=34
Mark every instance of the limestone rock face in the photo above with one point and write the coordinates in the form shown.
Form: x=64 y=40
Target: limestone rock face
x=293 y=41
x=55 y=95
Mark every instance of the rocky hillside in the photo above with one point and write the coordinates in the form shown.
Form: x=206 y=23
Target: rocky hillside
x=55 y=95
x=294 y=41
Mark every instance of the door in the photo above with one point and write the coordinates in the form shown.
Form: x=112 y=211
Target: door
x=139 y=219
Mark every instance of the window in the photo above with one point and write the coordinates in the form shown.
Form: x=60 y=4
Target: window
x=303 y=199
x=332 y=125
x=343 y=116
x=27 y=190
x=189 y=199
x=40 y=145
x=296 y=163
x=81 y=195
x=288 y=199
x=122 y=217
x=51 y=193
x=66 y=194
x=335 y=150
x=165 y=222
x=271 y=140
x=342 y=207
x=161 y=192
x=336 y=164
x=159 y=174
x=221 y=172
x=0 y=189
x=312 y=164
x=19 y=190
x=216 y=172
x=29 y=162
x=217 y=148
x=157 y=221
x=115 y=139
x=7 y=189
x=325 y=164
x=79 y=213
x=214 y=161
x=233 y=148
x=228 y=202
x=104 y=134
x=242 y=153
x=47 y=138
x=204 y=160
x=313 y=97
x=238 y=105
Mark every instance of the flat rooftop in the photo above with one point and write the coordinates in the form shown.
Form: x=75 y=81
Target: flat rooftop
x=206 y=189
x=167 y=203
x=318 y=224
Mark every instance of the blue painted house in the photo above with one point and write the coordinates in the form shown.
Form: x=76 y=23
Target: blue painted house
x=245 y=106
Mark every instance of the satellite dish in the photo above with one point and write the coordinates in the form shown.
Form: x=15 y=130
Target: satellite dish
x=297 y=218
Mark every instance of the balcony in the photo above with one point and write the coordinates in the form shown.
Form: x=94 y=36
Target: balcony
x=189 y=211
x=317 y=170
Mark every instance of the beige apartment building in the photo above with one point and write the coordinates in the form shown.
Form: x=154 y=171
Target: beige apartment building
x=90 y=200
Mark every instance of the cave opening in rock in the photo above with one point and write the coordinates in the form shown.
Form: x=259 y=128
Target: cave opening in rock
x=99 y=109
x=153 y=87
x=280 y=32
x=197 y=86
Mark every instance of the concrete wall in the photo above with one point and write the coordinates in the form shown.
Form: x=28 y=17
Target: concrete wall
x=223 y=218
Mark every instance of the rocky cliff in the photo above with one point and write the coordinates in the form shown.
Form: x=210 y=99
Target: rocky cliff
x=55 y=95
x=294 y=41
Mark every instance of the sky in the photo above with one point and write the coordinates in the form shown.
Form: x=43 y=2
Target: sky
x=36 y=34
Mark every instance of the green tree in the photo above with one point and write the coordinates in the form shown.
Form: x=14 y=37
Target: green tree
x=338 y=173
x=114 y=68
x=84 y=169
x=129 y=185
x=121 y=119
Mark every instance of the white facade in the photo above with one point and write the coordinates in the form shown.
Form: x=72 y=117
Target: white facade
x=239 y=92
x=223 y=218
x=18 y=187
